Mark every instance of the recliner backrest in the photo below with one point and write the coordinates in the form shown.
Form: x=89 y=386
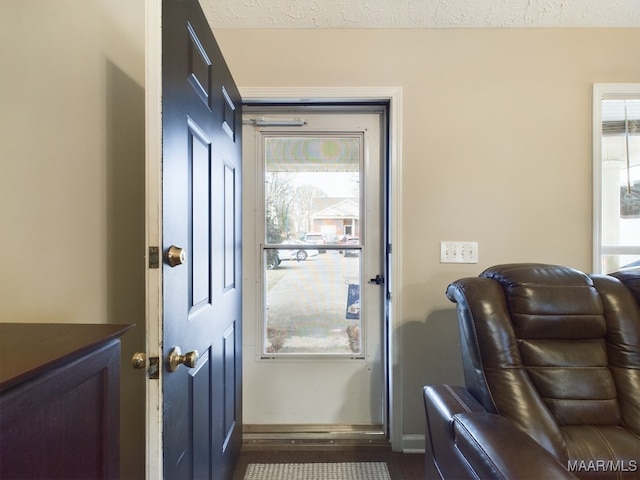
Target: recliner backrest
x=542 y=347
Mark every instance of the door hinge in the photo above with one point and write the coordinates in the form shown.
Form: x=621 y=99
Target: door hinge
x=154 y=257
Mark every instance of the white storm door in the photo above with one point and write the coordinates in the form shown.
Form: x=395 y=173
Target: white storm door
x=314 y=347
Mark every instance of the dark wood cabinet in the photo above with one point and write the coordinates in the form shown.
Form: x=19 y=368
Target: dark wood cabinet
x=60 y=401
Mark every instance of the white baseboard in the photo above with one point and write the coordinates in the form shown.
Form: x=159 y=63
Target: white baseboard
x=413 y=443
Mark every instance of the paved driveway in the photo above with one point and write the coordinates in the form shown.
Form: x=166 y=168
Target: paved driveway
x=306 y=305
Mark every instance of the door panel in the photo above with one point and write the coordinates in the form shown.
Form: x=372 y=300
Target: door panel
x=230 y=384
x=230 y=226
x=201 y=214
x=199 y=385
x=200 y=218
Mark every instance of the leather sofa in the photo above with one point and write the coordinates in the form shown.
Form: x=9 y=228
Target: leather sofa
x=551 y=361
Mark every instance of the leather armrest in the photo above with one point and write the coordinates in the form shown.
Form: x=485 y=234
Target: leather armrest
x=442 y=402
x=447 y=400
x=466 y=441
x=495 y=448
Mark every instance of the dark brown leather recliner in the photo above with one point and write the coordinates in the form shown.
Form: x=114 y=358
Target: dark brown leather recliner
x=551 y=360
x=631 y=278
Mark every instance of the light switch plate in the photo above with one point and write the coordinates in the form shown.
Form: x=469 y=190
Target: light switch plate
x=458 y=252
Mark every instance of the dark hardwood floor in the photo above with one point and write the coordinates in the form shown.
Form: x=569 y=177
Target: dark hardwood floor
x=402 y=466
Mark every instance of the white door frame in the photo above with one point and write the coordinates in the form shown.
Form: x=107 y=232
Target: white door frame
x=375 y=94
x=153 y=231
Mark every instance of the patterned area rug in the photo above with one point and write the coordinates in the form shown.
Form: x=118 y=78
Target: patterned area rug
x=318 y=471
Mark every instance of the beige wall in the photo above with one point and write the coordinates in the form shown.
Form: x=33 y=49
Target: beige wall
x=496 y=149
x=72 y=178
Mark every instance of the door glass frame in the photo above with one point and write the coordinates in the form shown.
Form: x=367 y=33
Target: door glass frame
x=331 y=248
x=257 y=186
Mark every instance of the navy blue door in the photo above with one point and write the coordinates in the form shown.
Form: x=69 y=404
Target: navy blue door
x=201 y=171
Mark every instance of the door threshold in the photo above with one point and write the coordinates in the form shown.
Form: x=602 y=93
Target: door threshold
x=305 y=437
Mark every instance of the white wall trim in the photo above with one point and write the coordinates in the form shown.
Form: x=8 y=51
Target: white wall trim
x=394 y=96
x=413 y=443
x=597 y=175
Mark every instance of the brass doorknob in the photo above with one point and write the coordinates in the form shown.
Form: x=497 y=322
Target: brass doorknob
x=139 y=360
x=176 y=358
x=176 y=256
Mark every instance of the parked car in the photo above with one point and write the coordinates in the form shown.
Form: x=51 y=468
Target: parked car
x=315 y=238
x=351 y=252
x=275 y=257
x=297 y=254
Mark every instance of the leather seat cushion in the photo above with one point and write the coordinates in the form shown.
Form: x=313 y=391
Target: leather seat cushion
x=599 y=451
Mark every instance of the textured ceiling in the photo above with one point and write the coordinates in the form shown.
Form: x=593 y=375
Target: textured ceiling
x=420 y=13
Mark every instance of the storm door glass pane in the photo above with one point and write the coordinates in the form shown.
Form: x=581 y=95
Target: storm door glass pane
x=312 y=248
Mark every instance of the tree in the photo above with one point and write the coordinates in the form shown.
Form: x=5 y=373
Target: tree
x=279 y=197
x=287 y=206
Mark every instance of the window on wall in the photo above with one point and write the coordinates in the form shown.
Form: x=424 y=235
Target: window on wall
x=616 y=150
